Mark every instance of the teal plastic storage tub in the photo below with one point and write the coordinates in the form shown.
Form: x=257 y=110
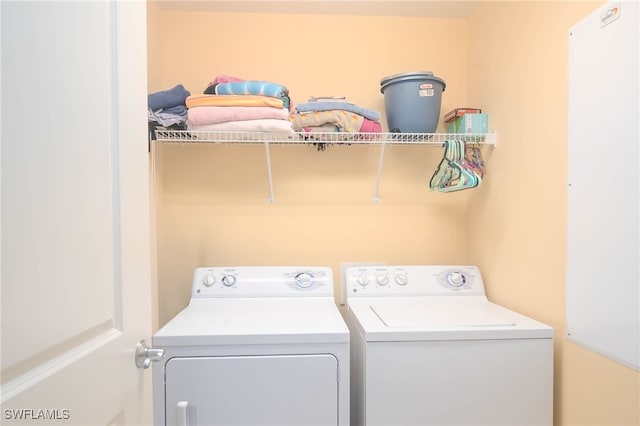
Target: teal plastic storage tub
x=412 y=101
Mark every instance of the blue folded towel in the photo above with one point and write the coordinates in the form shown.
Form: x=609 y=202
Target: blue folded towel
x=255 y=87
x=168 y=98
x=344 y=106
x=176 y=110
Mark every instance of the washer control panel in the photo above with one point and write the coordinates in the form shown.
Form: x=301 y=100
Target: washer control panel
x=414 y=280
x=262 y=281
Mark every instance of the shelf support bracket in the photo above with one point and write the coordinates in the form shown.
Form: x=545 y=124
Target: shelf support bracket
x=271 y=197
x=376 y=195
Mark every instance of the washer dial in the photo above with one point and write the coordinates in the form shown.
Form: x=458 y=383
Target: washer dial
x=363 y=280
x=382 y=279
x=402 y=279
x=455 y=279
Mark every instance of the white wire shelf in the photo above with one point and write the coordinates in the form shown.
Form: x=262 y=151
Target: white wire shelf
x=328 y=138
x=199 y=136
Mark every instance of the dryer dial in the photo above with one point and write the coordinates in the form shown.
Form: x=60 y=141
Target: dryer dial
x=228 y=280
x=208 y=280
x=304 y=280
x=456 y=279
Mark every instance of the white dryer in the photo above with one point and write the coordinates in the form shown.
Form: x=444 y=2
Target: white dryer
x=255 y=346
x=429 y=348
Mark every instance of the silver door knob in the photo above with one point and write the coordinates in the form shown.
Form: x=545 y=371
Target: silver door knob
x=146 y=355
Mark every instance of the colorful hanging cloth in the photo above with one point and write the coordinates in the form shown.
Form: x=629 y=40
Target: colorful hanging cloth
x=461 y=168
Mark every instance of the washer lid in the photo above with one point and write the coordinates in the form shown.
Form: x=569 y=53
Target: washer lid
x=441 y=315
x=444 y=318
x=255 y=321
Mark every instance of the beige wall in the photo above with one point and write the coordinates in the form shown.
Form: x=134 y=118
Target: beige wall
x=214 y=206
x=508 y=57
x=518 y=72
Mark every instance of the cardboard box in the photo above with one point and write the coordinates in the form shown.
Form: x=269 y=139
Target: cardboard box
x=469 y=123
x=459 y=112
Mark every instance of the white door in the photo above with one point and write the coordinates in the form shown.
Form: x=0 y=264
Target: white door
x=75 y=213
x=276 y=390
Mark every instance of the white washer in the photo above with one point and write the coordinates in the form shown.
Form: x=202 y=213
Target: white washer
x=429 y=348
x=255 y=346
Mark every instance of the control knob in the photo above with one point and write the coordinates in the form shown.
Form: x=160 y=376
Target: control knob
x=382 y=279
x=402 y=279
x=208 y=280
x=228 y=280
x=304 y=279
x=456 y=279
x=363 y=280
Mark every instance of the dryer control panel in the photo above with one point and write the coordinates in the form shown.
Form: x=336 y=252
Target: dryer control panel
x=414 y=280
x=262 y=281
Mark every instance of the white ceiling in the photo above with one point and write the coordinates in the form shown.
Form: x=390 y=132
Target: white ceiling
x=423 y=8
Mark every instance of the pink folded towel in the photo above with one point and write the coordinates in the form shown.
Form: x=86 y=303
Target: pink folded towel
x=261 y=125
x=221 y=114
x=370 y=126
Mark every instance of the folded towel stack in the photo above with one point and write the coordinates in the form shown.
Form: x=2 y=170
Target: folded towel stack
x=167 y=110
x=333 y=114
x=231 y=104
